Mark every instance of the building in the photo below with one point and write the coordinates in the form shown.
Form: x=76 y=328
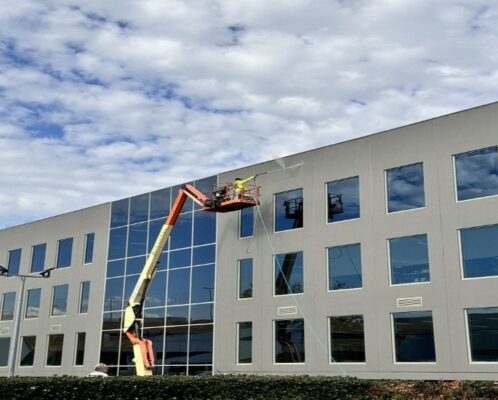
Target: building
x=403 y=283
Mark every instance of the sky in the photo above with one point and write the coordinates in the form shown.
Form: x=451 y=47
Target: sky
x=101 y=100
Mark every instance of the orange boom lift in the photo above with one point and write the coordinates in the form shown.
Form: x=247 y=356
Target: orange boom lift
x=224 y=198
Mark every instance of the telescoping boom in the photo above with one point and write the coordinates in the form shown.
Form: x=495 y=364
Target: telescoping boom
x=224 y=198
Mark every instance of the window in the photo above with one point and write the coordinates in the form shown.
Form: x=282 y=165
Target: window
x=477 y=173
x=159 y=203
x=8 y=302
x=347 y=339
x=245 y=343
x=479 y=251
x=137 y=239
x=245 y=278
x=117 y=243
x=204 y=228
x=38 y=257
x=14 y=261
x=405 y=188
x=344 y=267
x=28 y=346
x=64 y=253
x=202 y=284
x=483 y=334
x=201 y=344
x=181 y=236
x=54 y=352
x=33 y=303
x=289 y=273
x=139 y=208
x=119 y=213
x=89 y=243
x=414 y=337
x=343 y=199
x=59 y=300
x=4 y=351
x=246 y=222
x=84 y=296
x=80 y=348
x=178 y=286
x=289 y=341
x=409 y=260
x=289 y=210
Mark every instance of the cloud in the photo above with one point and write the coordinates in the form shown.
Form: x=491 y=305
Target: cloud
x=101 y=100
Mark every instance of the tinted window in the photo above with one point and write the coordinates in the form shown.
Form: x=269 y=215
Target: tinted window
x=38 y=257
x=204 y=228
x=246 y=222
x=28 y=346
x=245 y=343
x=156 y=294
x=113 y=299
x=289 y=341
x=201 y=313
x=115 y=268
x=64 y=253
x=159 y=203
x=135 y=265
x=405 y=188
x=347 y=338
x=477 y=173
x=139 y=208
x=176 y=345
x=59 y=300
x=201 y=344
x=109 y=347
x=4 y=351
x=204 y=255
x=182 y=234
x=14 y=261
x=414 y=337
x=483 y=334
x=117 y=243
x=33 y=303
x=137 y=240
x=8 y=303
x=479 y=251
x=289 y=273
x=245 y=278
x=119 y=213
x=112 y=320
x=177 y=315
x=80 y=348
x=409 y=259
x=345 y=267
x=154 y=229
x=343 y=199
x=154 y=317
x=180 y=258
x=54 y=354
x=85 y=296
x=178 y=286
x=89 y=242
x=289 y=210
x=202 y=284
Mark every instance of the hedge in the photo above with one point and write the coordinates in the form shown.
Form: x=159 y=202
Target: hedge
x=240 y=387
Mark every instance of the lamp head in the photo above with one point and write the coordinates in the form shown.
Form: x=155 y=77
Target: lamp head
x=46 y=273
x=3 y=270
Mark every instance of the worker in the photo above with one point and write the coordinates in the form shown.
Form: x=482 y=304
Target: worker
x=101 y=370
x=240 y=186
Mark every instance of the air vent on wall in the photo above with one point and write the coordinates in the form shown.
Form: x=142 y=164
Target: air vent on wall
x=287 y=310
x=409 y=302
x=4 y=331
x=55 y=328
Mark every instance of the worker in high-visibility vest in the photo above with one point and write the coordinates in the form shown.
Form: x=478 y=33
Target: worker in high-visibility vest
x=240 y=186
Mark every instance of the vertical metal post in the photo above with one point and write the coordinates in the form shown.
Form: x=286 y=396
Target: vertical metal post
x=15 y=333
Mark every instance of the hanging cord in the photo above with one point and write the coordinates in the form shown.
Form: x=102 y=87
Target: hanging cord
x=298 y=306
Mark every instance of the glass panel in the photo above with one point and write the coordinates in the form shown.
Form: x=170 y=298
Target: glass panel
x=159 y=203
x=181 y=236
x=14 y=261
x=345 y=267
x=476 y=173
x=137 y=240
x=483 y=334
x=178 y=286
x=343 y=199
x=38 y=257
x=405 y=188
x=33 y=303
x=113 y=299
x=479 y=251
x=109 y=348
x=409 y=259
x=177 y=315
x=289 y=273
x=180 y=258
x=347 y=339
x=28 y=346
x=135 y=265
x=245 y=343
x=170 y=370
x=204 y=255
x=156 y=294
x=64 y=253
x=201 y=313
x=4 y=351
x=414 y=337
x=289 y=341
x=246 y=222
x=8 y=303
x=112 y=320
x=54 y=354
x=115 y=268
x=59 y=300
x=204 y=228
x=245 y=278
x=201 y=344
x=176 y=345
x=202 y=284
x=119 y=213
x=154 y=317
x=139 y=208
x=289 y=210
x=89 y=243
x=117 y=243
x=80 y=348
x=85 y=296
x=200 y=370
x=157 y=337
x=154 y=229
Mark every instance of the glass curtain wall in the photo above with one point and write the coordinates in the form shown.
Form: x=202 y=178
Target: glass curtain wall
x=179 y=307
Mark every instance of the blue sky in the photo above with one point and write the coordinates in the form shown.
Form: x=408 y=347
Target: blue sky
x=105 y=99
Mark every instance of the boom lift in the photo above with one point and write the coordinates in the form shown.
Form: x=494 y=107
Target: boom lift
x=223 y=199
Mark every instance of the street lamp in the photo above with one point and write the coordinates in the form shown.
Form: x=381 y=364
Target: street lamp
x=15 y=333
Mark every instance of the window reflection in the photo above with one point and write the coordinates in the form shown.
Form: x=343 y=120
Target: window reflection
x=289 y=210
x=202 y=284
x=347 y=338
x=119 y=213
x=117 y=243
x=245 y=278
x=345 y=267
x=202 y=313
x=405 y=188
x=84 y=296
x=409 y=259
x=112 y=320
x=139 y=208
x=33 y=303
x=54 y=354
x=14 y=261
x=113 y=299
x=483 y=334
x=176 y=345
x=135 y=265
x=4 y=351
x=178 y=286
x=154 y=317
x=414 y=337
x=204 y=255
x=64 y=253
x=89 y=244
x=181 y=236
x=156 y=294
x=479 y=251
x=477 y=173
x=115 y=268
x=289 y=341
x=137 y=239
x=157 y=337
x=177 y=315
x=343 y=199
x=204 y=228
x=246 y=222
x=180 y=258
x=245 y=343
x=289 y=273
x=159 y=203
x=80 y=348
x=8 y=303
x=59 y=300
x=154 y=229
x=201 y=344
x=28 y=347
x=109 y=348
x=38 y=257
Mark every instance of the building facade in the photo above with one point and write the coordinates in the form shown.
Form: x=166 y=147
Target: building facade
x=376 y=257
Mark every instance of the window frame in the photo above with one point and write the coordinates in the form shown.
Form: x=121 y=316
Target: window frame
x=237 y=354
x=20 y=351
x=9 y=258
x=327 y=283
x=58 y=254
x=327 y=222
x=32 y=257
x=2 y=305
x=329 y=333
x=47 y=365
x=467 y=337
x=275 y=295
x=239 y=278
x=386 y=189
x=80 y=300
x=27 y=303
x=52 y=303
x=274 y=360
x=76 y=335
x=86 y=248
x=240 y=224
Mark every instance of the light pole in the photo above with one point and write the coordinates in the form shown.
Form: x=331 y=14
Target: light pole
x=17 y=314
